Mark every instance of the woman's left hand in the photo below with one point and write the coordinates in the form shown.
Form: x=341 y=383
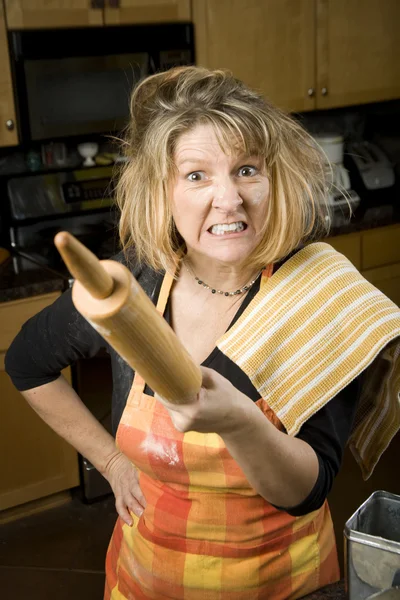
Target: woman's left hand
x=217 y=408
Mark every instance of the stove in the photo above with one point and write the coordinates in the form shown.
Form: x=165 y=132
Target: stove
x=80 y=202
x=40 y=206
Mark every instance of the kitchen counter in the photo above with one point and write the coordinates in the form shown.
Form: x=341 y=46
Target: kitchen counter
x=335 y=591
x=382 y=217
x=16 y=284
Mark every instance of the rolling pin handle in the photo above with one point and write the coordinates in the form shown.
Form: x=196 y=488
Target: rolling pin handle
x=84 y=266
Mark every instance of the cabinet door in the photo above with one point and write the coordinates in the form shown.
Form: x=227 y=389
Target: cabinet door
x=387 y=280
x=40 y=14
x=357 y=51
x=8 y=130
x=268 y=44
x=380 y=246
x=15 y=313
x=146 y=11
x=35 y=461
x=349 y=245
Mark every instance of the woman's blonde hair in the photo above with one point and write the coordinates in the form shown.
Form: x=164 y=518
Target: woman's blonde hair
x=166 y=105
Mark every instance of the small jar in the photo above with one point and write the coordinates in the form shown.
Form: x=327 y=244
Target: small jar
x=33 y=161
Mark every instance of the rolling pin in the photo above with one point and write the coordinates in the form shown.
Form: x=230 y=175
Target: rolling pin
x=112 y=301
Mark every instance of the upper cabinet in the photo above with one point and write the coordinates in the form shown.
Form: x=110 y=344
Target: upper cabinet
x=118 y=12
x=358 y=51
x=269 y=44
x=8 y=131
x=301 y=54
x=39 y=14
x=304 y=54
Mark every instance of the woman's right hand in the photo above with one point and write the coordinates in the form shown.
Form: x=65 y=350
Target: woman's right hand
x=123 y=479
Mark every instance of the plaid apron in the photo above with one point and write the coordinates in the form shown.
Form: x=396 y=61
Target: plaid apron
x=205 y=533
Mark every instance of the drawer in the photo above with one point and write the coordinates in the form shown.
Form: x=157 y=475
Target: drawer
x=380 y=247
x=349 y=245
x=14 y=314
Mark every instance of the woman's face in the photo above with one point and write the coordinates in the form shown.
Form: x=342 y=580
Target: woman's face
x=219 y=201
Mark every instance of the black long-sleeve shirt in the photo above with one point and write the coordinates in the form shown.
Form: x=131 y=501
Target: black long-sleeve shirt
x=58 y=336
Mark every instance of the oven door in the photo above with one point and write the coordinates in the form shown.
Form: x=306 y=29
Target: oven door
x=92 y=381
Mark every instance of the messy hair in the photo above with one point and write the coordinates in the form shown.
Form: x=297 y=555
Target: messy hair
x=165 y=106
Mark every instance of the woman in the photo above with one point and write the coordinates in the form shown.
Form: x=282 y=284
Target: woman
x=225 y=497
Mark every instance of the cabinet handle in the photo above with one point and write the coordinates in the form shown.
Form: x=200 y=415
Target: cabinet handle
x=311 y=92
x=324 y=91
x=97 y=4
x=10 y=124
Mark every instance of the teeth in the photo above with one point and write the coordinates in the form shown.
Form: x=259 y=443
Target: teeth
x=223 y=228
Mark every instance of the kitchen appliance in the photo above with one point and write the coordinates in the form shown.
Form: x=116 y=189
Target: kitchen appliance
x=74 y=82
x=342 y=198
x=40 y=205
x=78 y=201
x=372 y=546
x=371 y=173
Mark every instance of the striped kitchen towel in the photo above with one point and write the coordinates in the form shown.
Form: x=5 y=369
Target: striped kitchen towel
x=315 y=325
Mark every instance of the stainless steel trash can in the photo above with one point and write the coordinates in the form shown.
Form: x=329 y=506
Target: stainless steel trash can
x=372 y=546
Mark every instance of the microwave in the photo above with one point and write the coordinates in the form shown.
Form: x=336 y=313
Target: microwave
x=77 y=82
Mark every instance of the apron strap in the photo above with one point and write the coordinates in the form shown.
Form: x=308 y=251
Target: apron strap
x=266 y=274
x=138 y=381
x=164 y=292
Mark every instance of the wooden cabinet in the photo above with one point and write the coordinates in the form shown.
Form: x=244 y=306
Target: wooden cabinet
x=301 y=54
x=380 y=250
x=304 y=54
x=269 y=44
x=386 y=279
x=349 y=245
x=146 y=11
x=36 y=462
x=357 y=50
x=40 y=14
x=380 y=246
x=8 y=130
x=376 y=254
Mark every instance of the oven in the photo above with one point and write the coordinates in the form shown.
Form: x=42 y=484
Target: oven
x=79 y=201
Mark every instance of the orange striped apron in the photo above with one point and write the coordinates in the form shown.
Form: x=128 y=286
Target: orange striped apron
x=205 y=533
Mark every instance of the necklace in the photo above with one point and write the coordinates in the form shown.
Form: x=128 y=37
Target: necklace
x=245 y=288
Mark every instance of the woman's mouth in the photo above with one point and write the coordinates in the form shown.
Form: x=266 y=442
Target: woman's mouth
x=227 y=229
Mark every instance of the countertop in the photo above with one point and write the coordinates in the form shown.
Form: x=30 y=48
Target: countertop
x=374 y=217
x=17 y=283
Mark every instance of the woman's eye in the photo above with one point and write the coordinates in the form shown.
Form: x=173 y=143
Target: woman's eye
x=196 y=176
x=247 y=171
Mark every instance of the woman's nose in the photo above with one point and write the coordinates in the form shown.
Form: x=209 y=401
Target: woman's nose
x=226 y=197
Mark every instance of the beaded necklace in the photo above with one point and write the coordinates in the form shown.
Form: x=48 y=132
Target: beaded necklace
x=245 y=288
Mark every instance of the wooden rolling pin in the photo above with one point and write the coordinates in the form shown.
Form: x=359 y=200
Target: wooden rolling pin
x=112 y=301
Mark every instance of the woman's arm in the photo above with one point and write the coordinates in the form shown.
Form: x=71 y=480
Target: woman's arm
x=61 y=408
x=281 y=468
x=326 y=434
x=51 y=340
